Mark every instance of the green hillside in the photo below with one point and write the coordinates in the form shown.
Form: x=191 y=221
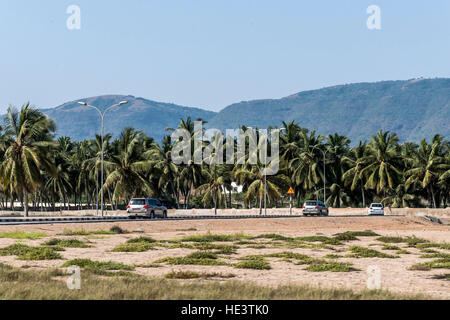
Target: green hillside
x=414 y=109
x=80 y=122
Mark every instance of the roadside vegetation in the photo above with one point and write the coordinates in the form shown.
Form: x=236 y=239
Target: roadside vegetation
x=22 y=235
x=50 y=284
x=24 y=252
x=39 y=170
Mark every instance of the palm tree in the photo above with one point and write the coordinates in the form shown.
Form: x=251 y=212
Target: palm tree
x=383 y=162
x=337 y=196
x=28 y=154
x=401 y=197
x=58 y=181
x=214 y=186
x=161 y=160
x=252 y=176
x=306 y=166
x=427 y=166
x=356 y=160
x=126 y=168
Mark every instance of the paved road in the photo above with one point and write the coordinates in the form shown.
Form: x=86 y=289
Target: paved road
x=24 y=221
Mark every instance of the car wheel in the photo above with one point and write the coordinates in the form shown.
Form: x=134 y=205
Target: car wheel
x=152 y=215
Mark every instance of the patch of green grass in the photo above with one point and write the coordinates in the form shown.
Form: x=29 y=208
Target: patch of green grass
x=414 y=241
x=390 y=247
x=202 y=255
x=24 y=252
x=216 y=237
x=445 y=276
x=181 y=245
x=253 y=262
x=333 y=266
x=99 y=267
x=22 y=235
x=323 y=239
x=275 y=236
x=67 y=243
x=139 y=244
x=196 y=275
x=411 y=241
x=257 y=246
x=333 y=256
x=148 y=265
x=445 y=246
x=403 y=251
x=288 y=255
x=142 y=240
x=435 y=264
x=345 y=236
x=362 y=252
x=386 y=239
x=441 y=255
x=117 y=230
x=428 y=251
x=82 y=232
x=365 y=233
x=219 y=248
x=191 y=261
x=133 y=247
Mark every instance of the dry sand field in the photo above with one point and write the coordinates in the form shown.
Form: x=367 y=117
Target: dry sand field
x=267 y=239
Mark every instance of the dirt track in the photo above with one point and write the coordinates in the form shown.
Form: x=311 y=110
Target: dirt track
x=394 y=272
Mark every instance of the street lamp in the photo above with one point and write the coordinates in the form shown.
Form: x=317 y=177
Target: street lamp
x=102 y=115
x=324 y=178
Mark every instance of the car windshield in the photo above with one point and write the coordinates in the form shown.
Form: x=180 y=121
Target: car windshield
x=311 y=203
x=377 y=205
x=137 y=201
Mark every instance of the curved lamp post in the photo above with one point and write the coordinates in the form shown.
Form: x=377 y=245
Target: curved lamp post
x=324 y=177
x=102 y=115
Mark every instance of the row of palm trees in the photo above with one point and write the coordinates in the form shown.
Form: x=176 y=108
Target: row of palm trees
x=36 y=168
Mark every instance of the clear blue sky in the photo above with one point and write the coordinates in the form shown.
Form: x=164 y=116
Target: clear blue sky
x=211 y=53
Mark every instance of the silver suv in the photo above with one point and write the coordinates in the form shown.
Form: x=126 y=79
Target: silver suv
x=146 y=207
x=315 y=207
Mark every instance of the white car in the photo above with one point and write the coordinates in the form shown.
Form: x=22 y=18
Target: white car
x=376 y=209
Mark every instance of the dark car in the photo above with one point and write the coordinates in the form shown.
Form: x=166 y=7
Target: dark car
x=146 y=207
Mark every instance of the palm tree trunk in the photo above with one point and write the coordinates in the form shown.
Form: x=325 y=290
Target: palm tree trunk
x=432 y=196
x=260 y=204
x=25 y=201
x=362 y=192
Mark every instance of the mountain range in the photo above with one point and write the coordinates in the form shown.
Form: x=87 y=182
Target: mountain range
x=414 y=109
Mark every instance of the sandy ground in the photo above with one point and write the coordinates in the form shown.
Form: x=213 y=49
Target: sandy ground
x=395 y=275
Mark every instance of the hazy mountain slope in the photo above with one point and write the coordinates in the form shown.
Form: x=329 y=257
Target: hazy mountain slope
x=413 y=109
x=80 y=122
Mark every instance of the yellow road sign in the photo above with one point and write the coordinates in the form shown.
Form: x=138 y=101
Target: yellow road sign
x=291 y=191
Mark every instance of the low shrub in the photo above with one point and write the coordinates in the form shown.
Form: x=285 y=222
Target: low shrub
x=24 y=252
x=362 y=252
